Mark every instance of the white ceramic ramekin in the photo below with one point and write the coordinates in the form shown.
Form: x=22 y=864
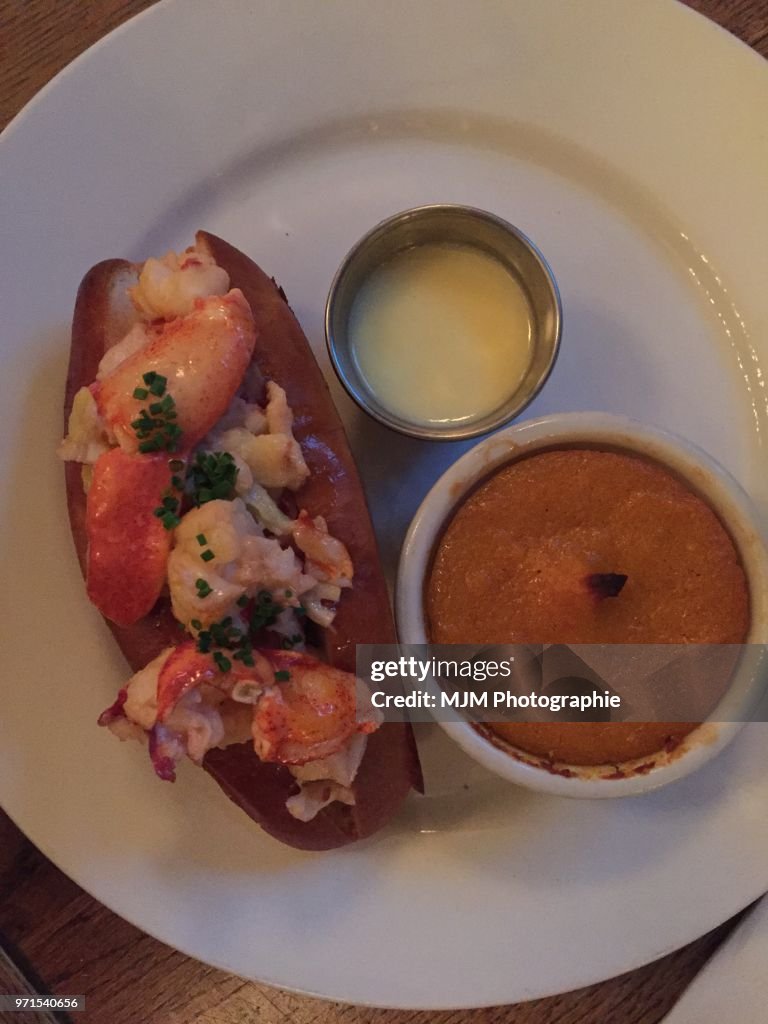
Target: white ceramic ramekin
x=706 y=478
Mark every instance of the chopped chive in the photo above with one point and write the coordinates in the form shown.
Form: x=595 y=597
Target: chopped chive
x=201 y=539
x=222 y=661
x=177 y=482
x=282 y=676
x=140 y=393
x=212 y=476
x=222 y=489
x=156 y=383
x=243 y=600
x=203 y=587
x=224 y=637
x=208 y=555
x=196 y=624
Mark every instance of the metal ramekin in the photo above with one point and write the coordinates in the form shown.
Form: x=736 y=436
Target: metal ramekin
x=462 y=225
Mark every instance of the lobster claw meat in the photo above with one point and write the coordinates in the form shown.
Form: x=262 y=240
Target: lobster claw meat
x=128 y=546
x=184 y=669
x=311 y=713
x=202 y=356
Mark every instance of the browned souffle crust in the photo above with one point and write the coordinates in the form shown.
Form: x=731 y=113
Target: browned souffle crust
x=512 y=565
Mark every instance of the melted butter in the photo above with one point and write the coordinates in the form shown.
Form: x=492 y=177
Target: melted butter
x=441 y=334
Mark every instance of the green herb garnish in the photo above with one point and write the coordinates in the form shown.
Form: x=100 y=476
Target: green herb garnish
x=237 y=640
x=224 y=635
x=168 y=509
x=154 y=425
x=289 y=642
x=222 y=661
x=265 y=610
x=156 y=383
x=212 y=475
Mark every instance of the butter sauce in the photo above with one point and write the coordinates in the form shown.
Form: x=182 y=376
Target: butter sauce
x=441 y=333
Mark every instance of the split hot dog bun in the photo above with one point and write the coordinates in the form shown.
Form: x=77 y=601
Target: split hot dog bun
x=389 y=769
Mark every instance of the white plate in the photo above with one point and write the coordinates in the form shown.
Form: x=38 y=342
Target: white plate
x=628 y=140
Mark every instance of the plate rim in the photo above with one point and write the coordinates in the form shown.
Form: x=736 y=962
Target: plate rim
x=10 y=129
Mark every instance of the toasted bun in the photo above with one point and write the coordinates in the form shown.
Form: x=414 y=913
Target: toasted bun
x=390 y=767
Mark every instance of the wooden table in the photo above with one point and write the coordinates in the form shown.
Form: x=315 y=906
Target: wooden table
x=65 y=941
